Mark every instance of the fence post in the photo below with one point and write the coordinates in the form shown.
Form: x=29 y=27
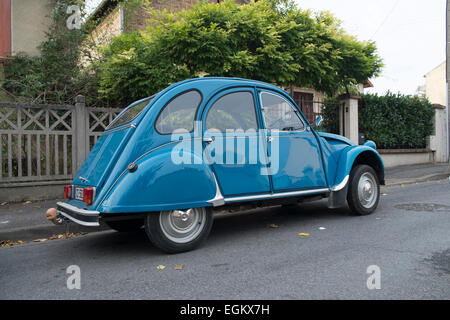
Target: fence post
x=80 y=132
x=348 y=117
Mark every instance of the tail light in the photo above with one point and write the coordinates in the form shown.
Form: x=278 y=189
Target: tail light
x=88 y=195
x=68 y=192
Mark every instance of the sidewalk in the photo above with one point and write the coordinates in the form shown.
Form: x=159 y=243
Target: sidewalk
x=26 y=221
x=416 y=173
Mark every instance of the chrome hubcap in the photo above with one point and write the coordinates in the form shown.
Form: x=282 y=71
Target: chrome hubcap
x=367 y=190
x=182 y=226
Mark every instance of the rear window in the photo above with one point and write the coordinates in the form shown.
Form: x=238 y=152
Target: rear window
x=130 y=114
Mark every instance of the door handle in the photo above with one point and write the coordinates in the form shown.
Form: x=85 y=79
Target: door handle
x=208 y=140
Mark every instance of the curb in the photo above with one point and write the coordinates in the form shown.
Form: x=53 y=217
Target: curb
x=431 y=177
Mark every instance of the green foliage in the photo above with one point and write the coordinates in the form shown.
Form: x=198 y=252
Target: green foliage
x=270 y=40
x=131 y=69
x=55 y=76
x=396 y=121
x=330 y=114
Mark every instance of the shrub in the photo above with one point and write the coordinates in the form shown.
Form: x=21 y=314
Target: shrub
x=396 y=121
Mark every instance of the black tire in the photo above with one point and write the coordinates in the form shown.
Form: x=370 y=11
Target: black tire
x=363 y=202
x=126 y=225
x=156 y=229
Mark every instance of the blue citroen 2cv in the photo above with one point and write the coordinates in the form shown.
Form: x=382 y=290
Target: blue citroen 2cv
x=167 y=161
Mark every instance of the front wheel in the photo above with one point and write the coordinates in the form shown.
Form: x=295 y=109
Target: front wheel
x=364 y=190
x=179 y=230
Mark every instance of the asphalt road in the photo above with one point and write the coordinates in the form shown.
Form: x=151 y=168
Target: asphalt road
x=408 y=238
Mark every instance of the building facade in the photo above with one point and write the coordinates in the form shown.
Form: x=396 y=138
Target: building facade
x=436 y=93
x=23 y=24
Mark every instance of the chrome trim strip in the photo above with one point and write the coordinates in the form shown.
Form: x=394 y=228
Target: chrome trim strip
x=83 y=223
x=277 y=195
x=218 y=200
x=118 y=129
x=83 y=212
x=341 y=185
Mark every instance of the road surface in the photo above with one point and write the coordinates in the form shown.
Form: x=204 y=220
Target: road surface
x=407 y=238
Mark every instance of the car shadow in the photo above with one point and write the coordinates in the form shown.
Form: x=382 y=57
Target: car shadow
x=226 y=225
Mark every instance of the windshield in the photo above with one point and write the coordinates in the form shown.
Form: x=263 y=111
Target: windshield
x=130 y=114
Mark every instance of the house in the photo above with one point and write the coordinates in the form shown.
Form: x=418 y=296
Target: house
x=112 y=19
x=435 y=85
x=436 y=92
x=23 y=24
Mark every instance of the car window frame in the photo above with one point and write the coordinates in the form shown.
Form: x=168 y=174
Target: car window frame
x=149 y=101
x=168 y=102
x=221 y=95
x=295 y=109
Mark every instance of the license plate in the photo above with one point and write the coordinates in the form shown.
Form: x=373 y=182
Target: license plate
x=79 y=194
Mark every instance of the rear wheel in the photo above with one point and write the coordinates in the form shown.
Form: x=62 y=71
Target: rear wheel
x=179 y=230
x=126 y=225
x=364 y=190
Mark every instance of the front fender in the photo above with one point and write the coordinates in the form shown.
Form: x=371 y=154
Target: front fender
x=358 y=155
x=349 y=157
x=159 y=184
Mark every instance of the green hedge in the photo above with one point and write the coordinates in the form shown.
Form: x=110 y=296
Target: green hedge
x=396 y=121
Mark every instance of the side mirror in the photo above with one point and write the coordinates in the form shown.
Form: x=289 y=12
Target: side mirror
x=319 y=120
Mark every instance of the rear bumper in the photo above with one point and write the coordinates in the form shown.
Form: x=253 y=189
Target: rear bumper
x=81 y=216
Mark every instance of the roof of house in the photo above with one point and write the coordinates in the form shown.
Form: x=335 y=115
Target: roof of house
x=435 y=68
x=103 y=9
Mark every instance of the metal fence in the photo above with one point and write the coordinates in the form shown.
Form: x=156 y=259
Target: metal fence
x=48 y=142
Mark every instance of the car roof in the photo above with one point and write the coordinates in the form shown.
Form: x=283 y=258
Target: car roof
x=226 y=80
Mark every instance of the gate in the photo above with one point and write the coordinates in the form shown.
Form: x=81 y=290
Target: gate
x=311 y=109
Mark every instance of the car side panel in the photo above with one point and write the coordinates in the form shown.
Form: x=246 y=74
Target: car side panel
x=160 y=184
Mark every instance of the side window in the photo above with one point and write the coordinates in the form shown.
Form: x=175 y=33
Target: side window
x=179 y=113
x=233 y=111
x=279 y=114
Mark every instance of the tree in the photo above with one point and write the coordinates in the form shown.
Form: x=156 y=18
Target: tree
x=270 y=40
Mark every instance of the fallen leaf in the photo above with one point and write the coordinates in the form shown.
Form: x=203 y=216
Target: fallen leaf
x=40 y=240
x=178 y=267
x=9 y=243
x=378 y=218
x=303 y=234
x=4 y=203
x=273 y=226
x=160 y=267
x=27 y=202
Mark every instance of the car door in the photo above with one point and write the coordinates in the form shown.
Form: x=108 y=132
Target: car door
x=231 y=143
x=293 y=150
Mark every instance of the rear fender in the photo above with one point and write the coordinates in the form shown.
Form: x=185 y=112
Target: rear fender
x=159 y=184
